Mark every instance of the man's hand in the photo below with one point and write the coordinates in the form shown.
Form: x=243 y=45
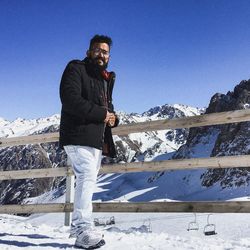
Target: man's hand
x=110 y=119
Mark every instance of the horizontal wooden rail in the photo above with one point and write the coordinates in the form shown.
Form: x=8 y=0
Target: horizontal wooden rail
x=179 y=164
x=31 y=139
x=152 y=166
x=135 y=207
x=186 y=122
x=35 y=173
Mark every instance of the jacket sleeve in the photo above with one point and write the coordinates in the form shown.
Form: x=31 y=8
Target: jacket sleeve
x=72 y=101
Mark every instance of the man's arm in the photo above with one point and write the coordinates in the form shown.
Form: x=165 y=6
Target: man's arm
x=72 y=101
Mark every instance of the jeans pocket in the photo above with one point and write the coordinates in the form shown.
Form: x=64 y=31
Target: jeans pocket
x=71 y=152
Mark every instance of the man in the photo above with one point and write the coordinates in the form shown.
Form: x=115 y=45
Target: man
x=87 y=117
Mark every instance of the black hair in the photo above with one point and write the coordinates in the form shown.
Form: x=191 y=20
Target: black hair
x=100 y=39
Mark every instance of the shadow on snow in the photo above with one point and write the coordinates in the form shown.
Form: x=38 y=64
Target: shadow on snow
x=29 y=244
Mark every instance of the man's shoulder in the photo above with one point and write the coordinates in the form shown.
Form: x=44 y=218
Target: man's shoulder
x=76 y=66
x=76 y=63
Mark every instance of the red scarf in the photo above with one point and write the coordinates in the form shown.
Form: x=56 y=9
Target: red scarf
x=105 y=75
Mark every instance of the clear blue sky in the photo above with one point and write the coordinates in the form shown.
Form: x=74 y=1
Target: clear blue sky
x=179 y=51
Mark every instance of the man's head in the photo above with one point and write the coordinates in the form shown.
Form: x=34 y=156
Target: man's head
x=99 y=49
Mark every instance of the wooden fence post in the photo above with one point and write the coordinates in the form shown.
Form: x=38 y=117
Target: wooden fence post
x=69 y=198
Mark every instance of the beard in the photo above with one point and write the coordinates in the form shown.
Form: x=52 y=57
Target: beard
x=99 y=63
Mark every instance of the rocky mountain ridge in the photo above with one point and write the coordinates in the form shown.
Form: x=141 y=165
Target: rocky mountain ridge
x=222 y=140
x=202 y=184
x=135 y=147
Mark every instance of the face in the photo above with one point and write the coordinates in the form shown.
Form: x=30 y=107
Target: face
x=99 y=54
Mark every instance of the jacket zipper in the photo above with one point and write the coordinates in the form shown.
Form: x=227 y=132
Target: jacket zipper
x=105 y=99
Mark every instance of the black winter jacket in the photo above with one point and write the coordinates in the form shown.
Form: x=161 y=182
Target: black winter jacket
x=83 y=107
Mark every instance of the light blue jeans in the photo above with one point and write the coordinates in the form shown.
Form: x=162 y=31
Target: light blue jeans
x=86 y=163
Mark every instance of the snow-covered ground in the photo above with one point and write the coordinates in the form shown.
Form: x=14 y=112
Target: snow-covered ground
x=130 y=232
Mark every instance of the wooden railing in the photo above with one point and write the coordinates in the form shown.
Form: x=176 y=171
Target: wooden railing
x=187 y=122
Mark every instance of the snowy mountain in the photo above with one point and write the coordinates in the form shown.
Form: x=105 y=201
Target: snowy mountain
x=222 y=140
x=202 y=184
x=23 y=127
x=135 y=147
x=191 y=185
x=146 y=146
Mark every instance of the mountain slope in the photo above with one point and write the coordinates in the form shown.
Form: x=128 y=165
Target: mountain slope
x=202 y=184
x=135 y=147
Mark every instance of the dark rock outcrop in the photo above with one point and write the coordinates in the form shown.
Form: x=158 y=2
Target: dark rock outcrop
x=228 y=139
